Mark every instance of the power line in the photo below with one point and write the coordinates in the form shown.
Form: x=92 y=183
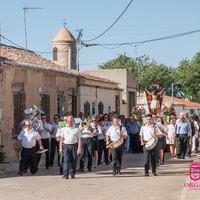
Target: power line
x=111 y=24
x=144 y=41
x=114 y=44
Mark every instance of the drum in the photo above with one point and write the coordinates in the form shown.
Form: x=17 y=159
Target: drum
x=115 y=145
x=151 y=143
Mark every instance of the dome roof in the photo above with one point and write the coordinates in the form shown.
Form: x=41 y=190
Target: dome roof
x=63 y=36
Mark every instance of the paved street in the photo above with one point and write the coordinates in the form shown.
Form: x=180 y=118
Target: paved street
x=100 y=184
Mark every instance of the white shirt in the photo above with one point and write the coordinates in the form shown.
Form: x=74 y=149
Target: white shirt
x=54 y=128
x=114 y=133
x=102 y=130
x=46 y=134
x=28 y=138
x=71 y=135
x=147 y=132
x=58 y=133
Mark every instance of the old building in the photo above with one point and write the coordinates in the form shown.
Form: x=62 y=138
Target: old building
x=99 y=95
x=64 y=49
x=28 y=79
x=126 y=83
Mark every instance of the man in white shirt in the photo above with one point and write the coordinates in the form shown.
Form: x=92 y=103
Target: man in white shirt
x=148 y=132
x=45 y=137
x=102 y=129
x=115 y=133
x=54 y=142
x=28 y=139
x=71 y=139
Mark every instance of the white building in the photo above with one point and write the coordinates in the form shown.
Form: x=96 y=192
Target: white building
x=126 y=83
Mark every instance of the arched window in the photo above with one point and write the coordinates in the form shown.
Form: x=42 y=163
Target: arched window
x=86 y=107
x=55 y=54
x=100 y=108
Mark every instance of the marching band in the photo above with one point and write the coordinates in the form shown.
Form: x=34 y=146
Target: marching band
x=100 y=138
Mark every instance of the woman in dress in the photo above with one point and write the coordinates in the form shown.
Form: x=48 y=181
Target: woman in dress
x=171 y=136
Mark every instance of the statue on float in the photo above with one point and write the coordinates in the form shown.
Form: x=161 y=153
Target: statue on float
x=154 y=96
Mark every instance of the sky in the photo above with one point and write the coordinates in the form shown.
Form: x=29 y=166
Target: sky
x=143 y=20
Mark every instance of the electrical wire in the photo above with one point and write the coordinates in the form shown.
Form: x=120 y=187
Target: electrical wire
x=137 y=43
x=111 y=24
x=41 y=52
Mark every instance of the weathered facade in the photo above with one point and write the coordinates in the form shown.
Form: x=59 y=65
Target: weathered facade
x=64 y=49
x=27 y=79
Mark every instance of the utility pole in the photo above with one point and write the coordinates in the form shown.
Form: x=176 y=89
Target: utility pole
x=25 y=9
x=78 y=46
x=138 y=68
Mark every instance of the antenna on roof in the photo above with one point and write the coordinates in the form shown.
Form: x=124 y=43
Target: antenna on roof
x=25 y=9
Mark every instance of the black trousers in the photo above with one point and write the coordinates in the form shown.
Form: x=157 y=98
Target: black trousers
x=70 y=158
x=28 y=159
x=182 y=145
x=45 y=144
x=135 y=143
x=54 y=147
x=150 y=155
x=117 y=155
x=102 y=149
x=86 y=149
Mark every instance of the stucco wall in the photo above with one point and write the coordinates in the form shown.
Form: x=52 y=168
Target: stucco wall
x=91 y=94
x=125 y=80
x=32 y=79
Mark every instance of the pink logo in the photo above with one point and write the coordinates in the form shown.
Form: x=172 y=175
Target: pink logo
x=195 y=171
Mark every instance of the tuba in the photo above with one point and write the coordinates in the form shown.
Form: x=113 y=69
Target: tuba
x=34 y=117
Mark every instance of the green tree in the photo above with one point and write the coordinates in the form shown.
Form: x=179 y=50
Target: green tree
x=144 y=70
x=188 y=75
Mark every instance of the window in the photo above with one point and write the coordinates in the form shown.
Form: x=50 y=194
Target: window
x=19 y=100
x=132 y=102
x=45 y=105
x=86 y=107
x=117 y=104
x=74 y=105
x=93 y=108
x=100 y=108
x=55 y=54
x=61 y=108
x=192 y=111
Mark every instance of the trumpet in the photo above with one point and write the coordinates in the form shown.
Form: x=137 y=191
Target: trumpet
x=83 y=125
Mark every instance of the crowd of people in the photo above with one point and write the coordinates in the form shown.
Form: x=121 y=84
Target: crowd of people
x=98 y=139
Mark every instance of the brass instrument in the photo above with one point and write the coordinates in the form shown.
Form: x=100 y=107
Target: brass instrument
x=34 y=117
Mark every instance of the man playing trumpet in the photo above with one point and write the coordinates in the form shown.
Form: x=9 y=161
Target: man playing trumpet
x=115 y=133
